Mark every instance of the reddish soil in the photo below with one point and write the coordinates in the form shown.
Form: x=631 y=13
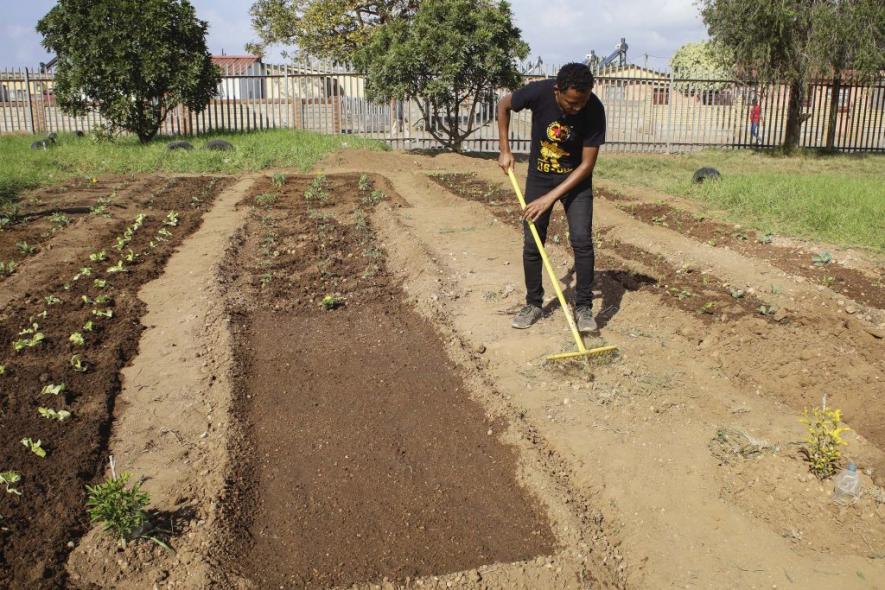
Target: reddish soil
x=846 y=281
x=683 y=288
x=38 y=526
x=361 y=455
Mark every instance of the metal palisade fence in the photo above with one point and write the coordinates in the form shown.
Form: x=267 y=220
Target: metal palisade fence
x=646 y=110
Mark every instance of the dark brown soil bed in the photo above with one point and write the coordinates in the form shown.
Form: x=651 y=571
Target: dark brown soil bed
x=684 y=288
x=37 y=527
x=362 y=455
x=846 y=281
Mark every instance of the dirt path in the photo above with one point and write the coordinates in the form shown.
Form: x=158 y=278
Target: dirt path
x=640 y=438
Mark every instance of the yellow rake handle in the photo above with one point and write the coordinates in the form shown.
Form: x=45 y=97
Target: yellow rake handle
x=550 y=272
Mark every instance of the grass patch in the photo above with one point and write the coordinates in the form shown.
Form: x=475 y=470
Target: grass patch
x=22 y=168
x=838 y=198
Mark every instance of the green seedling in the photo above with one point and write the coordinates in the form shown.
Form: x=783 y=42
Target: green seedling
x=103 y=313
x=60 y=415
x=2 y=370
x=77 y=339
x=88 y=326
x=99 y=256
x=37 y=316
x=78 y=364
x=828 y=281
x=317 y=190
x=130 y=257
x=680 y=294
x=101 y=207
x=139 y=221
x=53 y=389
x=25 y=248
x=34 y=447
x=119 y=508
x=31 y=342
x=766 y=309
x=775 y=290
x=659 y=220
x=116 y=268
x=84 y=272
x=164 y=233
x=766 y=238
x=374 y=198
x=100 y=283
x=9 y=479
x=128 y=234
x=103 y=300
x=278 y=180
x=171 y=219
x=709 y=307
x=737 y=293
x=86 y=300
x=52 y=300
x=364 y=184
x=8 y=267
x=823 y=441
x=265 y=200
x=152 y=244
x=265 y=279
x=332 y=302
x=120 y=243
x=822 y=258
x=59 y=219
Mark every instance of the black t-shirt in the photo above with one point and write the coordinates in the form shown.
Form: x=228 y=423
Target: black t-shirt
x=557 y=138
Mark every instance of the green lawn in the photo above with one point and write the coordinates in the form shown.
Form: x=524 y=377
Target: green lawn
x=22 y=168
x=838 y=199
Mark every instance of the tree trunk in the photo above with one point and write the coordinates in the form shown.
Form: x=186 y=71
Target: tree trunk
x=794 y=115
x=834 y=111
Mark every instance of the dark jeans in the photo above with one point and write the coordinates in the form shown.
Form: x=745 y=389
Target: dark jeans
x=579 y=210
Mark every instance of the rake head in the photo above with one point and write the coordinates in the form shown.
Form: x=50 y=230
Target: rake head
x=581 y=353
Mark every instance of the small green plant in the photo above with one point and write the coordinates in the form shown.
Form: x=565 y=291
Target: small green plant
x=85 y=299
x=49 y=413
x=164 y=233
x=373 y=198
x=99 y=256
x=101 y=207
x=171 y=219
x=709 y=307
x=25 y=248
x=34 y=340
x=659 y=220
x=103 y=299
x=737 y=293
x=117 y=507
x=84 y=272
x=766 y=238
x=364 y=184
x=2 y=370
x=100 y=283
x=9 y=479
x=775 y=290
x=59 y=219
x=130 y=257
x=53 y=389
x=78 y=364
x=52 y=300
x=317 y=190
x=332 y=302
x=824 y=439
x=139 y=221
x=77 y=339
x=8 y=267
x=103 y=313
x=766 y=309
x=679 y=293
x=34 y=447
x=116 y=268
x=822 y=258
x=88 y=326
x=265 y=200
x=828 y=281
x=120 y=243
x=278 y=179
x=265 y=279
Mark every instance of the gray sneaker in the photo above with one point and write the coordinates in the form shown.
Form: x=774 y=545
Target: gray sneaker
x=527 y=316
x=584 y=319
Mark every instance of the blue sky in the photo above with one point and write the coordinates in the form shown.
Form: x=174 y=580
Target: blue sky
x=557 y=30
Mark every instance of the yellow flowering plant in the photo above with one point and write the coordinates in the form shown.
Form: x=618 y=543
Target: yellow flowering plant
x=824 y=439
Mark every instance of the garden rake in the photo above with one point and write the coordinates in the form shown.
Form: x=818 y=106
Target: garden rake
x=579 y=341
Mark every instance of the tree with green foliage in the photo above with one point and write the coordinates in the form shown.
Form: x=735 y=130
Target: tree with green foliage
x=131 y=60
x=450 y=58
x=797 y=40
x=324 y=28
x=701 y=62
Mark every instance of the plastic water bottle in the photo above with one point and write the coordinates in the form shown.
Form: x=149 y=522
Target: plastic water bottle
x=847 y=489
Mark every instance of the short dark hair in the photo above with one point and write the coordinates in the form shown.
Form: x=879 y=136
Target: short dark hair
x=574 y=75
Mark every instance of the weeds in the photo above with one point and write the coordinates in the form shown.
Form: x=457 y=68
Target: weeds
x=824 y=439
x=118 y=507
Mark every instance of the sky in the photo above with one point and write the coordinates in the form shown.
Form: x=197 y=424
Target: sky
x=558 y=31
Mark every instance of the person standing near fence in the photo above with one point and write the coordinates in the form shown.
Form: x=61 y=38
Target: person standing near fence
x=755 y=118
x=568 y=126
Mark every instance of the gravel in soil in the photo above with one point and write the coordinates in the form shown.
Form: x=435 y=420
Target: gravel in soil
x=37 y=528
x=362 y=456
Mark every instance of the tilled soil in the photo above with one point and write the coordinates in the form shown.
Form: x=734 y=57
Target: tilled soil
x=362 y=456
x=39 y=526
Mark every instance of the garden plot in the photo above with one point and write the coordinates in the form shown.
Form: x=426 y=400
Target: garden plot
x=67 y=328
x=363 y=456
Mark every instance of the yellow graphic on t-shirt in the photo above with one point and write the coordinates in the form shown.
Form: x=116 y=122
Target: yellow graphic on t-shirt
x=558 y=132
x=548 y=159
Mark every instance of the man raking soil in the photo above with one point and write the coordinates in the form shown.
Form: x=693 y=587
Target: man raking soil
x=568 y=126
